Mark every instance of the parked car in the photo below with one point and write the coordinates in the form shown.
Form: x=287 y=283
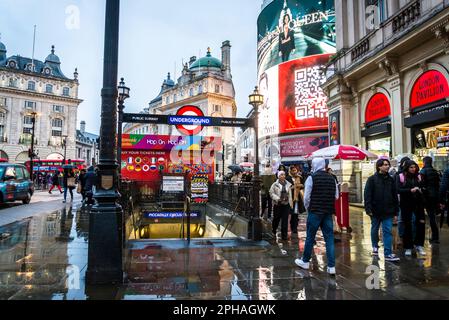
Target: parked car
x=15 y=183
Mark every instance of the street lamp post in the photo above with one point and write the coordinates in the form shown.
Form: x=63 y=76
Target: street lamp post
x=31 y=152
x=105 y=264
x=123 y=94
x=256 y=99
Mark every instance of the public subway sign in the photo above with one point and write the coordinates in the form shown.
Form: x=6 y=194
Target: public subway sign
x=378 y=108
x=432 y=86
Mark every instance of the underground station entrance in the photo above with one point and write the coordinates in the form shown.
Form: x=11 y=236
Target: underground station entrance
x=168 y=182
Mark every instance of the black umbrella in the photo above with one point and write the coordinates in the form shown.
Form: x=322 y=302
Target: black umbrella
x=235 y=168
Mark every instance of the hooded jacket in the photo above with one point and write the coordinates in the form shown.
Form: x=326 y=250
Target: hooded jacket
x=276 y=190
x=381 y=197
x=318 y=169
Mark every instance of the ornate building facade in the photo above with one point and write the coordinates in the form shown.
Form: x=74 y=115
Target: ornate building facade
x=205 y=83
x=388 y=83
x=87 y=146
x=32 y=88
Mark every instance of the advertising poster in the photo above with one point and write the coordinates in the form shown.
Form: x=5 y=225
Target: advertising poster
x=302 y=102
x=292 y=29
x=334 y=128
x=200 y=188
x=302 y=146
x=269 y=110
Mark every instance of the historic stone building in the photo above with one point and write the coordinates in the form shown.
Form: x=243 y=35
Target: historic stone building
x=31 y=88
x=86 y=146
x=388 y=83
x=205 y=83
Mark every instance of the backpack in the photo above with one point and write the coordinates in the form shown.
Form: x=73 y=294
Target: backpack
x=402 y=178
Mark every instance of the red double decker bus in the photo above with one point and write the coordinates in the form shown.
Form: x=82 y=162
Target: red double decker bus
x=49 y=166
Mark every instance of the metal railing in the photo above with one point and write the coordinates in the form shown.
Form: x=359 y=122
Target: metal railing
x=229 y=195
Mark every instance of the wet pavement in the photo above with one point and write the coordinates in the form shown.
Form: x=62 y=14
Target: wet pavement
x=45 y=257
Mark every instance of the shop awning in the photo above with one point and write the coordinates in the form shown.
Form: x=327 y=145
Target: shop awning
x=376 y=130
x=428 y=116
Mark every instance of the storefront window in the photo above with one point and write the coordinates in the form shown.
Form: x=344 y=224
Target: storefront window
x=432 y=142
x=380 y=147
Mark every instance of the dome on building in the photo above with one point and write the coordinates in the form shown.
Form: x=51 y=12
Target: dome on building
x=52 y=58
x=207 y=61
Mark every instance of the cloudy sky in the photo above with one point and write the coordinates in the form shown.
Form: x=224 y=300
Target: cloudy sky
x=155 y=38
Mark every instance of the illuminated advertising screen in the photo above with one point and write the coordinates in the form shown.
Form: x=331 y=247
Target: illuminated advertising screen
x=292 y=29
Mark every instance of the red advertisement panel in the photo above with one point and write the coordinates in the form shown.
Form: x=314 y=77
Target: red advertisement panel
x=302 y=146
x=302 y=102
x=432 y=86
x=378 y=108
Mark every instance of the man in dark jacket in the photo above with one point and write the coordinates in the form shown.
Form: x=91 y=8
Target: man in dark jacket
x=90 y=181
x=444 y=188
x=381 y=204
x=431 y=190
x=321 y=191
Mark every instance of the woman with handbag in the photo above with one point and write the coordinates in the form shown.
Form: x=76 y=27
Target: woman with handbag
x=69 y=181
x=297 y=182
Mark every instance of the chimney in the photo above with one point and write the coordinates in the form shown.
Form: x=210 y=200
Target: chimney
x=192 y=60
x=83 y=127
x=226 y=57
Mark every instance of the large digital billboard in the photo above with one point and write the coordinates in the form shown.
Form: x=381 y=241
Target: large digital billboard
x=292 y=29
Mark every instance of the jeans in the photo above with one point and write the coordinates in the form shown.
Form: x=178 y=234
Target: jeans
x=294 y=219
x=387 y=226
x=432 y=210
x=65 y=192
x=281 y=213
x=326 y=223
x=410 y=238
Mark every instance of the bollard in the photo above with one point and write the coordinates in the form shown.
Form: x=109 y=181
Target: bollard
x=344 y=202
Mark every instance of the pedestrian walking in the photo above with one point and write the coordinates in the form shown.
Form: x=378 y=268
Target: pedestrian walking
x=82 y=183
x=68 y=180
x=321 y=191
x=89 y=184
x=400 y=169
x=382 y=205
x=281 y=195
x=411 y=199
x=298 y=203
x=431 y=191
x=268 y=178
x=55 y=182
x=444 y=188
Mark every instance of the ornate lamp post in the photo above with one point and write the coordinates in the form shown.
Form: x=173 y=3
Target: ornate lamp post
x=123 y=94
x=31 y=151
x=256 y=99
x=106 y=216
x=64 y=145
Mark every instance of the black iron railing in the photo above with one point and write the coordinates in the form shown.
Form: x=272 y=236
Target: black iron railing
x=236 y=197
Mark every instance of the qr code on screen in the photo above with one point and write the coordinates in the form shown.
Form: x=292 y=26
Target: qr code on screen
x=311 y=102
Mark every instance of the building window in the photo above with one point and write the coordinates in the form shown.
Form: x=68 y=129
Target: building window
x=217 y=88
x=56 y=133
x=13 y=83
x=28 y=120
x=56 y=123
x=375 y=11
x=58 y=109
x=2 y=133
x=88 y=159
x=217 y=108
x=2 y=118
x=27 y=130
x=30 y=105
x=167 y=100
x=31 y=85
x=2 y=102
x=175 y=97
x=48 y=88
x=200 y=89
x=79 y=153
x=191 y=92
x=66 y=91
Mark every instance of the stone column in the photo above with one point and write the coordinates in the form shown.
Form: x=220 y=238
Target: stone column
x=398 y=132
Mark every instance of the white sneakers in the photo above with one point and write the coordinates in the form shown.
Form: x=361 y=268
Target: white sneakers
x=302 y=264
x=306 y=266
x=408 y=252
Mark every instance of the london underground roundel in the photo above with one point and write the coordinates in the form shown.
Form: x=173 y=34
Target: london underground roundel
x=191 y=111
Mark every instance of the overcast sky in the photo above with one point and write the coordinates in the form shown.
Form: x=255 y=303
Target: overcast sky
x=154 y=37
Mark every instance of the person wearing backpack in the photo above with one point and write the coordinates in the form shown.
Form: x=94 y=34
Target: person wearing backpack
x=431 y=190
x=381 y=204
x=409 y=185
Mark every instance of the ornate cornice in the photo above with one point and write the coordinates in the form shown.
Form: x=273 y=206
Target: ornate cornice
x=40 y=95
x=389 y=64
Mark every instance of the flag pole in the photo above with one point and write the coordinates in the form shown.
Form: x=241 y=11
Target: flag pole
x=34 y=43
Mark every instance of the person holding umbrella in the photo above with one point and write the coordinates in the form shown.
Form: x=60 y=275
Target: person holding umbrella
x=68 y=180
